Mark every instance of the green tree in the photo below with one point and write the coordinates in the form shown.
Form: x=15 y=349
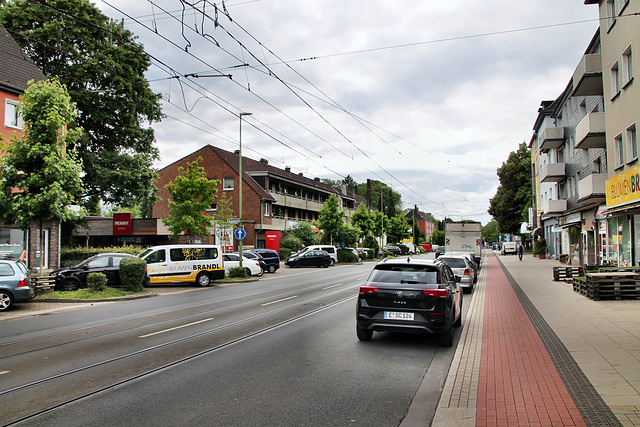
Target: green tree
x=223 y=213
x=391 y=200
x=362 y=219
x=347 y=236
x=305 y=232
x=40 y=164
x=437 y=238
x=397 y=229
x=103 y=68
x=191 y=193
x=330 y=219
x=490 y=232
x=509 y=207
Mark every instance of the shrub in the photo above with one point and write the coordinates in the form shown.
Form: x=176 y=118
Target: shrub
x=237 y=272
x=404 y=249
x=371 y=253
x=346 y=255
x=285 y=253
x=540 y=246
x=291 y=242
x=96 y=282
x=132 y=273
x=72 y=256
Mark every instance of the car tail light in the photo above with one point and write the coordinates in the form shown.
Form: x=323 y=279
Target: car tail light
x=22 y=283
x=365 y=290
x=467 y=272
x=438 y=293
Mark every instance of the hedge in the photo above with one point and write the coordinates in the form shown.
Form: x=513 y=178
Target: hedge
x=72 y=256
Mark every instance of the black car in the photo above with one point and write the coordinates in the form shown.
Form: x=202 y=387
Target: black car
x=395 y=250
x=310 y=259
x=270 y=257
x=410 y=295
x=439 y=251
x=74 y=278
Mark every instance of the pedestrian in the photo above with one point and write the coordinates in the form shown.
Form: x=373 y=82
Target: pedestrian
x=520 y=251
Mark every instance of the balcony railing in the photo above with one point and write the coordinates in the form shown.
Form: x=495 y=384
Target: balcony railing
x=590 y=132
x=551 y=138
x=592 y=187
x=587 y=79
x=554 y=207
x=553 y=172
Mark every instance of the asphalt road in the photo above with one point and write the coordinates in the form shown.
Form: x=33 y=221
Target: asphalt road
x=279 y=351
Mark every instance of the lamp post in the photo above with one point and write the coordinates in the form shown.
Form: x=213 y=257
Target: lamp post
x=240 y=183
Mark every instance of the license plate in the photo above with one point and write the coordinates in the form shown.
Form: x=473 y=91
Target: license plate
x=394 y=315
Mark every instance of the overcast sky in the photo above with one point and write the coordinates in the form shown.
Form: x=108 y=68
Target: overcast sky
x=428 y=97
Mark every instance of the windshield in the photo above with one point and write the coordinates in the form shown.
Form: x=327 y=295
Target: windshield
x=405 y=274
x=454 y=262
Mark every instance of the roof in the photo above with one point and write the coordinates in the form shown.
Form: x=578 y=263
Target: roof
x=17 y=68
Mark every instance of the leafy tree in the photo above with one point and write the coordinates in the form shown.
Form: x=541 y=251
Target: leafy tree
x=292 y=243
x=223 y=213
x=330 y=219
x=437 y=238
x=380 y=221
x=509 y=207
x=362 y=219
x=103 y=68
x=41 y=175
x=305 y=232
x=490 y=232
x=391 y=200
x=347 y=236
x=191 y=193
x=397 y=229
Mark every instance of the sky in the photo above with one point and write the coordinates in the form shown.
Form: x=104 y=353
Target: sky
x=428 y=97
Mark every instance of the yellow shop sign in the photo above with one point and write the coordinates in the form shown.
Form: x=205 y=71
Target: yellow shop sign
x=624 y=187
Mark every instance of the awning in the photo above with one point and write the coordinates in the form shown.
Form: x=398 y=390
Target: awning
x=538 y=232
x=631 y=208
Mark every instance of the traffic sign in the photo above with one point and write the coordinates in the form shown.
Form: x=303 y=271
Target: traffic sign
x=233 y=221
x=240 y=233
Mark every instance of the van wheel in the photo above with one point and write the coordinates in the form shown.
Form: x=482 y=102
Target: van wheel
x=203 y=279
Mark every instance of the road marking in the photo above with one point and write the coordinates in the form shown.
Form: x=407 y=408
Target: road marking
x=4 y=372
x=333 y=286
x=177 y=327
x=280 y=300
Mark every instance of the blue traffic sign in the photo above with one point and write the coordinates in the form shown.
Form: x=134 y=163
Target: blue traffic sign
x=240 y=233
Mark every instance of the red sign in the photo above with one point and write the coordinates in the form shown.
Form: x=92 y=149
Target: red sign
x=273 y=240
x=121 y=224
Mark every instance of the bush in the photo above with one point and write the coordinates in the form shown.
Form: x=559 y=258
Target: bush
x=371 y=253
x=540 y=246
x=346 y=255
x=72 y=256
x=404 y=249
x=133 y=271
x=237 y=272
x=96 y=282
x=284 y=253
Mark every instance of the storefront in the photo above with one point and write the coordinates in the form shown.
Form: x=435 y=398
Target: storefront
x=623 y=218
x=14 y=241
x=571 y=238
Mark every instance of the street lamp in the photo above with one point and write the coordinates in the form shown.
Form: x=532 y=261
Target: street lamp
x=240 y=183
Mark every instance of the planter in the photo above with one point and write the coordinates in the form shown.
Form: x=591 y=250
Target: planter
x=542 y=256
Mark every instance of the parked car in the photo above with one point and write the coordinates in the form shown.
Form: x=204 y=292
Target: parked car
x=396 y=251
x=270 y=257
x=410 y=295
x=314 y=258
x=358 y=254
x=74 y=278
x=233 y=260
x=15 y=284
x=190 y=263
x=461 y=266
x=254 y=257
x=330 y=249
x=439 y=251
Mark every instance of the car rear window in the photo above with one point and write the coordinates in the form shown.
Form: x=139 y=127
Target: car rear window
x=6 y=269
x=405 y=274
x=454 y=262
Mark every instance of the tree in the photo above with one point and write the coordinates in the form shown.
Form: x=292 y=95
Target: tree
x=490 y=232
x=103 y=68
x=40 y=174
x=391 y=200
x=223 y=213
x=191 y=194
x=397 y=229
x=330 y=219
x=509 y=207
x=305 y=232
x=437 y=238
x=362 y=219
x=347 y=236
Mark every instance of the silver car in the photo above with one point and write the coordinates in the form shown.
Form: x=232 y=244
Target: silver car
x=15 y=284
x=462 y=267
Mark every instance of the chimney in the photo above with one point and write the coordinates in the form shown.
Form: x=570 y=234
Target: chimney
x=287 y=168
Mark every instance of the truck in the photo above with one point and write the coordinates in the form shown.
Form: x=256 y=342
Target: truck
x=464 y=237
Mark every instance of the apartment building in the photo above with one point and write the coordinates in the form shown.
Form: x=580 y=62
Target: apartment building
x=15 y=73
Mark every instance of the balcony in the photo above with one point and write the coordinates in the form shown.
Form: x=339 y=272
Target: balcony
x=293 y=201
x=553 y=172
x=592 y=188
x=587 y=79
x=590 y=132
x=554 y=207
x=551 y=138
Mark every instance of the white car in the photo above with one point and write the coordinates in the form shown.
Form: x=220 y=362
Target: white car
x=462 y=267
x=233 y=260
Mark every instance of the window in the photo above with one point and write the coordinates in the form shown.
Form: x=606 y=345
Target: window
x=615 y=80
x=12 y=118
x=611 y=13
x=618 y=149
x=632 y=142
x=597 y=166
x=627 y=66
x=267 y=209
x=227 y=184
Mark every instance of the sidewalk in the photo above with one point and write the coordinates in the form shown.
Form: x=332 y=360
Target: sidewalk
x=534 y=352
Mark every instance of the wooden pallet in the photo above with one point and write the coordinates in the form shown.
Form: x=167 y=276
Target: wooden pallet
x=42 y=284
x=618 y=286
x=566 y=274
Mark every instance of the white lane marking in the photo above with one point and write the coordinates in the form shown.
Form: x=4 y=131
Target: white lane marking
x=333 y=286
x=280 y=300
x=177 y=327
x=4 y=372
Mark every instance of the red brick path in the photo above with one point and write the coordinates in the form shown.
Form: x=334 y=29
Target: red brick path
x=518 y=384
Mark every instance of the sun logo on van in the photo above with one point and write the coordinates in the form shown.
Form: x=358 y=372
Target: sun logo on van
x=191 y=254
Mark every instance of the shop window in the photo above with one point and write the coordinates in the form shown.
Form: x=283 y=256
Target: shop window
x=12 y=243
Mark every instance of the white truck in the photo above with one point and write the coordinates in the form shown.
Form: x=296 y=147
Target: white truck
x=464 y=237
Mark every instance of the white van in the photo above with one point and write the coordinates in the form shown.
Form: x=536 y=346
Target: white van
x=184 y=263
x=509 y=248
x=333 y=252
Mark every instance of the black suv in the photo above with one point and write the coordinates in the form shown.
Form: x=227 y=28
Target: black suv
x=410 y=295
x=74 y=278
x=270 y=257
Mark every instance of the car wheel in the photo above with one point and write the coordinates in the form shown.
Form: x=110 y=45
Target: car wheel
x=446 y=339
x=466 y=290
x=363 y=334
x=6 y=301
x=458 y=322
x=261 y=272
x=298 y=264
x=248 y=272
x=272 y=269
x=325 y=264
x=70 y=285
x=203 y=279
